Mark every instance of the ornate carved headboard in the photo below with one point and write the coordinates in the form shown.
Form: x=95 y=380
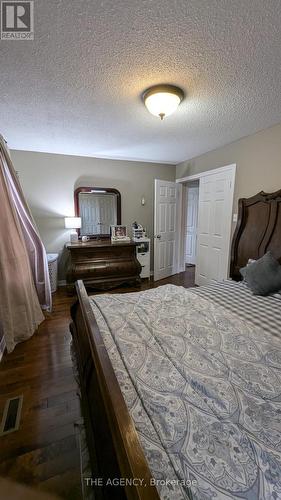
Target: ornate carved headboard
x=258 y=230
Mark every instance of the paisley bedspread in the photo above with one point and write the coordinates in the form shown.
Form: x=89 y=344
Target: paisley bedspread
x=203 y=388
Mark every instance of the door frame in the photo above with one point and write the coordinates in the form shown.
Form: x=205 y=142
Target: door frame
x=190 y=185
x=183 y=207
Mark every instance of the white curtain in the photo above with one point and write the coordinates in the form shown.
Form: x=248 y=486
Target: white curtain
x=24 y=274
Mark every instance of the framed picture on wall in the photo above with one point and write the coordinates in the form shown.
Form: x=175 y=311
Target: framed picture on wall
x=119 y=233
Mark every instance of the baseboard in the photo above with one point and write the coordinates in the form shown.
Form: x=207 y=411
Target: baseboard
x=2 y=347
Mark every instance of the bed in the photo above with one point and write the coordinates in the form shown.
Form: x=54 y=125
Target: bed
x=181 y=387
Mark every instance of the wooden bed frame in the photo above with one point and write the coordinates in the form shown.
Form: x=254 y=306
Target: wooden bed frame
x=258 y=230
x=113 y=442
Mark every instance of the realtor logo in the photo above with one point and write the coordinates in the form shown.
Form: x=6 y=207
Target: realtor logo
x=17 y=20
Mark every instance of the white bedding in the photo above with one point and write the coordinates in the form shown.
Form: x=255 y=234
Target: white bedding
x=203 y=386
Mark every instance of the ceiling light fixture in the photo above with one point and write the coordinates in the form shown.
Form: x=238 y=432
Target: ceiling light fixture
x=162 y=100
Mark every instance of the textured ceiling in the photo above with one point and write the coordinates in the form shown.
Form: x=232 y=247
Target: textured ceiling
x=76 y=88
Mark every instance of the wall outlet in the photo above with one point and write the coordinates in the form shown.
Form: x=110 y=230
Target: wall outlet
x=235 y=217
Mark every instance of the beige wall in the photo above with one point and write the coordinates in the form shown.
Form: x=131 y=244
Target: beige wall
x=258 y=160
x=49 y=181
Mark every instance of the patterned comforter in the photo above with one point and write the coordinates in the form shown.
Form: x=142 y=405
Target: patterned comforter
x=203 y=386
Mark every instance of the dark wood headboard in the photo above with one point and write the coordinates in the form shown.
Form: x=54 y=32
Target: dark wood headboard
x=258 y=230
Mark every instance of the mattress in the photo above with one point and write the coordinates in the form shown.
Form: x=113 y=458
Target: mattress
x=200 y=373
x=238 y=298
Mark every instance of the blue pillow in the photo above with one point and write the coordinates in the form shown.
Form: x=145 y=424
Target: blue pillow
x=263 y=276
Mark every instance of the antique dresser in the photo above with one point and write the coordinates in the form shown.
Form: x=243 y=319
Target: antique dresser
x=102 y=265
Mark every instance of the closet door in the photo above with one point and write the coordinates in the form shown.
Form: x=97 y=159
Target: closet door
x=214 y=226
x=98 y=213
x=90 y=214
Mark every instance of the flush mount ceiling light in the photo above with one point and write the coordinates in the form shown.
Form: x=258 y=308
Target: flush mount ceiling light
x=162 y=100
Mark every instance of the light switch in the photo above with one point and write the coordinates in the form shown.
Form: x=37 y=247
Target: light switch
x=235 y=217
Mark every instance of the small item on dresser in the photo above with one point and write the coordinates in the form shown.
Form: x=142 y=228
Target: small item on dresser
x=138 y=231
x=119 y=233
x=85 y=238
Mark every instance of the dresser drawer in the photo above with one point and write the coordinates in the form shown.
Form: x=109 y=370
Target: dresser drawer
x=102 y=264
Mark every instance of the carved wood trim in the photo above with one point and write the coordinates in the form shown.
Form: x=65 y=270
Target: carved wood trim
x=258 y=228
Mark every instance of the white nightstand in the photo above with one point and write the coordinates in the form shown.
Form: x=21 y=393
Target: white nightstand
x=143 y=255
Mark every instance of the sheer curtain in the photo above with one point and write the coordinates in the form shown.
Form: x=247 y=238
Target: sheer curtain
x=24 y=278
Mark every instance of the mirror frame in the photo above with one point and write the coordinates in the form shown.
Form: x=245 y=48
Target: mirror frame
x=89 y=189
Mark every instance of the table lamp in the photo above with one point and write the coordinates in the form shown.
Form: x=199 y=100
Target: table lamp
x=73 y=223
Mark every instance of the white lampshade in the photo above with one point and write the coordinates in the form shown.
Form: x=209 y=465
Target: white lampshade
x=162 y=100
x=72 y=222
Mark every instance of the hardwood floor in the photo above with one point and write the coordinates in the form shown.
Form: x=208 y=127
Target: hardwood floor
x=44 y=451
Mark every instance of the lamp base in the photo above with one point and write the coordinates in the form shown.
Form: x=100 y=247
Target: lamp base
x=73 y=237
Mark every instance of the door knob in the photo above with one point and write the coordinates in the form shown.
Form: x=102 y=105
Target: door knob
x=158 y=236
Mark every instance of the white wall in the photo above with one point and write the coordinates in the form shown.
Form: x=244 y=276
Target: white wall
x=49 y=180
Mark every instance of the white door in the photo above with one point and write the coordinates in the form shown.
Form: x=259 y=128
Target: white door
x=192 y=193
x=165 y=229
x=214 y=226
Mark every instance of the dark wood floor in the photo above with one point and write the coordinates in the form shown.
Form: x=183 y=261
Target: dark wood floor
x=44 y=451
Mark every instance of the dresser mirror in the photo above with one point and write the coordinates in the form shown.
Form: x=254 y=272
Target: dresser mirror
x=99 y=208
